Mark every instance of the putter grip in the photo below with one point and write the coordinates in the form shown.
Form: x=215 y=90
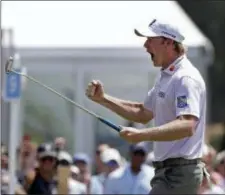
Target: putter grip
x=110 y=124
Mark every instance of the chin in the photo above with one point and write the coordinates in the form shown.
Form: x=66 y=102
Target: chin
x=155 y=64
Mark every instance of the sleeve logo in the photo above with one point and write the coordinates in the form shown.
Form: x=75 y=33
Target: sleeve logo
x=182 y=101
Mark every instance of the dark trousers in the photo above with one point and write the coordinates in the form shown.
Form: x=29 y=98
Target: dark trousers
x=177 y=176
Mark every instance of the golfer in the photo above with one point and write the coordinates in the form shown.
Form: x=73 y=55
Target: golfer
x=177 y=103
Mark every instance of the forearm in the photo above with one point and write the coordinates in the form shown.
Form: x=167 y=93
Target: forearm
x=175 y=130
x=131 y=111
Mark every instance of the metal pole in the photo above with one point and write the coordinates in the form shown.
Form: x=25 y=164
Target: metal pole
x=14 y=133
x=12 y=146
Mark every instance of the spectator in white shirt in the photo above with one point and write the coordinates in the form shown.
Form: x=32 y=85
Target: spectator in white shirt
x=98 y=162
x=93 y=185
x=76 y=187
x=135 y=177
x=111 y=160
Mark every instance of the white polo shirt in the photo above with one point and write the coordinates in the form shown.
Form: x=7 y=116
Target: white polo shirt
x=179 y=90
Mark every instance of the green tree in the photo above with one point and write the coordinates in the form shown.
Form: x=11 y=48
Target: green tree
x=210 y=18
x=40 y=122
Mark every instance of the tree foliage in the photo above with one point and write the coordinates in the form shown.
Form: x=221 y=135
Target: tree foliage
x=210 y=18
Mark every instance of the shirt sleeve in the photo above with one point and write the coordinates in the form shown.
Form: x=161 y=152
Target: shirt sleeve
x=150 y=100
x=188 y=97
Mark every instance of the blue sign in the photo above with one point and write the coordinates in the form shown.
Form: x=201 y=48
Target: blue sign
x=13 y=86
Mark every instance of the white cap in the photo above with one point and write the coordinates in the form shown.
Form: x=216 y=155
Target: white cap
x=160 y=29
x=65 y=156
x=74 y=169
x=109 y=155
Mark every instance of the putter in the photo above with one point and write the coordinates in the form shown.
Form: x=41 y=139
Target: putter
x=9 y=69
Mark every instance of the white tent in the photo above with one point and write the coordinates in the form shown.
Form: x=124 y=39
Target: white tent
x=91 y=23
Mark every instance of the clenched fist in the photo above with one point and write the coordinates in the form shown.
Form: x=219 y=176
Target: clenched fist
x=95 y=91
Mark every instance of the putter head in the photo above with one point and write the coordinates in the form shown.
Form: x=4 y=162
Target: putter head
x=8 y=65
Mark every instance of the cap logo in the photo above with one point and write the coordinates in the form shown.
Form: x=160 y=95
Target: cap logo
x=166 y=33
x=152 y=22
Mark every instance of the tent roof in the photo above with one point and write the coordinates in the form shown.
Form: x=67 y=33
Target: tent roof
x=91 y=24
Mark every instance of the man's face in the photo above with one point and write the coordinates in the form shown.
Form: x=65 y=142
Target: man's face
x=84 y=171
x=158 y=48
x=99 y=164
x=75 y=176
x=97 y=157
x=4 y=161
x=47 y=163
x=60 y=143
x=138 y=158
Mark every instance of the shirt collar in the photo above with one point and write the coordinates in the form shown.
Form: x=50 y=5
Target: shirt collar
x=171 y=69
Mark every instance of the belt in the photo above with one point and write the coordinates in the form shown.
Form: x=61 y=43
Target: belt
x=174 y=162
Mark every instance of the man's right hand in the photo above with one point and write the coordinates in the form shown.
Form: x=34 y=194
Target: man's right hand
x=95 y=91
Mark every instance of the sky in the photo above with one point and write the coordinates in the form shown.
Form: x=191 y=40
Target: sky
x=90 y=23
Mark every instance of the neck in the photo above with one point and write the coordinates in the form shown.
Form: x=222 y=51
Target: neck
x=135 y=169
x=170 y=60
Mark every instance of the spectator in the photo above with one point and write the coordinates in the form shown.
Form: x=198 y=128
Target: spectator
x=75 y=172
x=74 y=186
x=209 y=154
x=93 y=185
x=135 y=177
x=60 y=143
x=27 y=157
x=4 y=171
x=220 y=167
x=27 y=153
x=40 y=181
x=4 y=161
x=111 y=160
x=208 y=187
x=210 y=183
x=98 y=162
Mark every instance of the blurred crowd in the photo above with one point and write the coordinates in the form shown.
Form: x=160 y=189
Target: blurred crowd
x=49 y=168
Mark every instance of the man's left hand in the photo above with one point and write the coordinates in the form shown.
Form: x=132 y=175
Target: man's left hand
x=130 y=134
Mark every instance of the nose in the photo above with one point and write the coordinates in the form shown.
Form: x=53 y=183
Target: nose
x=146 y=44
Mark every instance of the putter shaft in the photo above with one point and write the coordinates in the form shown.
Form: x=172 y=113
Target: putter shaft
x=105 y=121
x=57 y=93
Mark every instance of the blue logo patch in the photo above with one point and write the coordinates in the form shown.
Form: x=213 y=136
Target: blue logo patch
x=182 y=101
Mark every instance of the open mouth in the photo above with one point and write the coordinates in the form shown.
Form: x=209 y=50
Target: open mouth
x=152 y=55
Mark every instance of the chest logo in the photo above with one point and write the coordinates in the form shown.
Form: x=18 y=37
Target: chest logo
x=161 y=94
